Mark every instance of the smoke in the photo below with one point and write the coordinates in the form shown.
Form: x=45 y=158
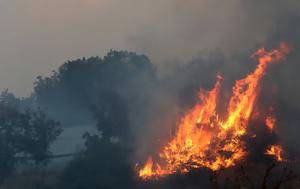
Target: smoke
x=284 y=77
x=278 y=86
x=46 y=33
x=189 y=42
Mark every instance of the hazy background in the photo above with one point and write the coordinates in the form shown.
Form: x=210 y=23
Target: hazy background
x=39 y=35
x=130 y=103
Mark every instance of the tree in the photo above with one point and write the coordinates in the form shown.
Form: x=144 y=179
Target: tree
x=112 y=117
x=109 y=90
x=104 y=164
x=69 y=92
x=25 y=136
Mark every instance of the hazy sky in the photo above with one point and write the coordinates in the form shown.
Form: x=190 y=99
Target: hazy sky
x=39 y=35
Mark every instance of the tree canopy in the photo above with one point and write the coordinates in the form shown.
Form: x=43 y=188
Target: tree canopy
x=68 y=94
x=25 y=136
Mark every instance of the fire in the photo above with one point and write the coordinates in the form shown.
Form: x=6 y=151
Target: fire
x=147 y=169
x=270 y=122
x=203 y=138
x=276 y=151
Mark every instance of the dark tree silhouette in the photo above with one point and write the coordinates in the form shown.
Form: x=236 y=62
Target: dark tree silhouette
x=104 y=164
x=68 y=94
x=112 y=116
x=24 y=136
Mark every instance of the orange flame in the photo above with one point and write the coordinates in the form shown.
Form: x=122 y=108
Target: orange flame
x=276 y=151
x=203 y=139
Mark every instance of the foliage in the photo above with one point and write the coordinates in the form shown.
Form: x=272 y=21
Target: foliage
x=104 y=164
x=69 y=92
x=24 y=136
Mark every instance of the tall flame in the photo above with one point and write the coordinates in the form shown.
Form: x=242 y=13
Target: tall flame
x=203 y=139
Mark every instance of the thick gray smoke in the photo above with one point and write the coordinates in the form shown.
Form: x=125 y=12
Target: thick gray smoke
x=154 y=106
x=188 y=43
x=38 y=35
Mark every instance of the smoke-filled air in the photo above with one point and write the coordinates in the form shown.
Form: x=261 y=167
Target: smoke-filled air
x=107 y=94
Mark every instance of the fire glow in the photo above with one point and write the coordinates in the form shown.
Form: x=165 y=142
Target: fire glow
x=204 y=139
